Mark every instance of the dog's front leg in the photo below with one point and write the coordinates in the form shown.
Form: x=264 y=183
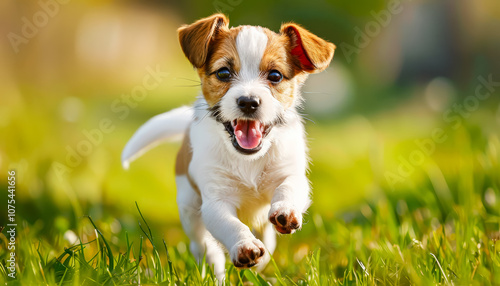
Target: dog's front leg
x=221 y=220
x=289 y=202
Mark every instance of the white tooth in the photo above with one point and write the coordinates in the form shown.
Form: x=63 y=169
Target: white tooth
x=254 y=132
x=238 y=133
x=262 y=128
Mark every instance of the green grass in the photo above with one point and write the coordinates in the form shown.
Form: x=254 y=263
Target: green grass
x=440 y=225
x=430 y=234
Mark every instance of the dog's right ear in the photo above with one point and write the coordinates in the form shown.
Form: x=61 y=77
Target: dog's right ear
x=195 y=38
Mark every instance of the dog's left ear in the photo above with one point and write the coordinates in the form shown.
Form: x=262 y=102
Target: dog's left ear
x=311 y=53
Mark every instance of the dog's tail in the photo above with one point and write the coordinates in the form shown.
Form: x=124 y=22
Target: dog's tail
x=166 y=126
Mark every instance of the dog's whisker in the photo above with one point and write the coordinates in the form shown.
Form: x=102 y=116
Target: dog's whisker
x=306 y=117
x=318 y=92
x=188 y=79
x=309 y=119
x=194 y=85
x=206 y=114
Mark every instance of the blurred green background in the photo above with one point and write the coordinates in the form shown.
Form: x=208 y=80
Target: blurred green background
x=402 y=71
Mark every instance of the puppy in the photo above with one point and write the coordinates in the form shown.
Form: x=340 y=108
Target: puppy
x=241 y=169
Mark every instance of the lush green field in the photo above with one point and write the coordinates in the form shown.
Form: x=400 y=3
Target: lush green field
x=437 y=222
x=403 y=130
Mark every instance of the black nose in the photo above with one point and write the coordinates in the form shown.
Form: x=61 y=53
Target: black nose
x=247 y=104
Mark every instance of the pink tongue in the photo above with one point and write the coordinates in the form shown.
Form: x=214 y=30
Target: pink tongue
x=248 y=133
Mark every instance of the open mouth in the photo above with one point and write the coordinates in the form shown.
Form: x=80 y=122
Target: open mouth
x=247 y=135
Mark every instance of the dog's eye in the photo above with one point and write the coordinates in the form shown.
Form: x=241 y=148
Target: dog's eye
x=223 y=74
x=275 y=76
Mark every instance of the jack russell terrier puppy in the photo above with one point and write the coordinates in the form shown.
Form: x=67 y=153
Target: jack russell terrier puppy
x=242 y=166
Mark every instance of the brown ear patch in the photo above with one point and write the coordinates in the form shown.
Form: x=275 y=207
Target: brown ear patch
x=195 y=38
x=222 y=53
x=311 y=53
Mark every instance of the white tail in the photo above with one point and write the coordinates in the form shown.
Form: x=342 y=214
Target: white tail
x=162 y=127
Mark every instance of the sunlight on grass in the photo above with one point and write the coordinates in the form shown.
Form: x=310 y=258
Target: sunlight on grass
x=402 y=195
x=441 y=225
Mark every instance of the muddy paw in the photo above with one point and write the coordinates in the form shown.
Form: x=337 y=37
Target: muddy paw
x=285 y=218
x=247 y=253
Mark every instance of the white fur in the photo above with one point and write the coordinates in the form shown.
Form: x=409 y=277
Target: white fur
x=237 y=193
x=251 y=43
x=160 y=128
x=202 y=242
x=232 y=186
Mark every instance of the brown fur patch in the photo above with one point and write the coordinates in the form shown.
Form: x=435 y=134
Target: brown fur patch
x=277 y=57
x=222 y=53
x=184 y=157
x=210 y=45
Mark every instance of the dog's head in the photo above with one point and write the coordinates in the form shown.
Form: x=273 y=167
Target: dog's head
x=250 y=76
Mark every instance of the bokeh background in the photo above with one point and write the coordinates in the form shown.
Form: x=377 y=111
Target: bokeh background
x=400 y=70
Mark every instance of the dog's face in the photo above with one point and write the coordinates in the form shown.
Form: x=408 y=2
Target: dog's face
x=250 y=75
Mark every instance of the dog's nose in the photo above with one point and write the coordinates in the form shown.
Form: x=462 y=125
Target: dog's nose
x=247 y=104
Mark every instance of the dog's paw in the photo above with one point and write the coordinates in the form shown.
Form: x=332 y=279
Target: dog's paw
x=285 y=218
x=247 y=253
